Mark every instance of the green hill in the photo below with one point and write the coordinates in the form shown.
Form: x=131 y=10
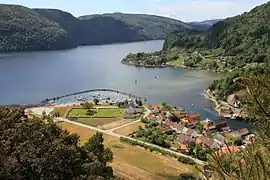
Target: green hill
x=24 y=29
x=234 y=41
x=148 y=26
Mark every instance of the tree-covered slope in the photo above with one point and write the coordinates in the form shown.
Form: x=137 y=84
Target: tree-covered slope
x=27 y=29
x=24 y=29
x=244 y=37
x=148 y=26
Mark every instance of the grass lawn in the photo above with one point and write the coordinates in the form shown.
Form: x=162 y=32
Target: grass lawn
x=133 y=163
x=97 y=121
x=80 y=112
x=63 y=111
x=129 y=129
x=179 y=61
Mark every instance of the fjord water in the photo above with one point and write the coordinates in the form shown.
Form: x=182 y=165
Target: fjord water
x=29 y=77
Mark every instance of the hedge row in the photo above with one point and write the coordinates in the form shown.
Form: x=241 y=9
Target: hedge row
x=180 y=158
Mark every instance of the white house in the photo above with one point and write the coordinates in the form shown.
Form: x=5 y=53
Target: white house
x=130 y=110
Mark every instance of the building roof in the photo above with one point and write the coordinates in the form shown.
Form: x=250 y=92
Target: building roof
x=220 y=122
x=183 y=147
x=151 y=117
x=189 y=132
x=184 y=139
x=243 y=131
x=130 y=105
x=220 y=138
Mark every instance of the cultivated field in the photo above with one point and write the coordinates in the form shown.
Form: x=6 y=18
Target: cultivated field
x=95 y=113
x=129 y=129
x=97 y=121
x=134 y=163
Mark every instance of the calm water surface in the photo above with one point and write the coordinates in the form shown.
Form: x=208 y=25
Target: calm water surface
x=32 y=76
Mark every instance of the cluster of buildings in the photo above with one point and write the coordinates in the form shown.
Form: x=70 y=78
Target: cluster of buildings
x=189 y=128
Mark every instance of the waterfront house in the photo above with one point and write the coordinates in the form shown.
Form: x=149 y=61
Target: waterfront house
x=217 y=125
x=242 y=132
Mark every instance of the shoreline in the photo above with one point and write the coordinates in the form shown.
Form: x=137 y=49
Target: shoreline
x=168 y=65
x=234 y=114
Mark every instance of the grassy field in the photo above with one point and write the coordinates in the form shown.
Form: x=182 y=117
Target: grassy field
x=129 y=129
x=62 y=110
x=179 y=61
x=115 y=112
x=97 y=121
x=134 y=163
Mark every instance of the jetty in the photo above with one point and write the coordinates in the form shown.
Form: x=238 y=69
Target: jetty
x=47 y=100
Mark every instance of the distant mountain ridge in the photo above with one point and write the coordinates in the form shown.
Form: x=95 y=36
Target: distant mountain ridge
x=204 y=25
x=25 y=29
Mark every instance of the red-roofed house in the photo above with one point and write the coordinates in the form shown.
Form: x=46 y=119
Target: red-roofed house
x=183 y=148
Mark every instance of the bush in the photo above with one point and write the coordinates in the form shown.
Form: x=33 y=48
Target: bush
x=186 y=160
x=187 y=176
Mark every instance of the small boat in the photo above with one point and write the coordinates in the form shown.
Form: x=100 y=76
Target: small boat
x=136 y=81
x=192 y=105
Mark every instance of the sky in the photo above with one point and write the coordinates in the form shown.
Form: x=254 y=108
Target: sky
x=184 y=10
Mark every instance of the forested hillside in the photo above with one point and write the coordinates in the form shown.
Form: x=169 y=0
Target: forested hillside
x=23 y=29
x=27 y=29
x=148 y=26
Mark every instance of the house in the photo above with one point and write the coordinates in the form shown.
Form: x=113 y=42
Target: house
x=151 y=117
x=220 y=139
x=183 y=139
x=183 y=148
x=192 y=124
x=216 y=125
x=242 y=132
x=165 y=129
x=155 y=109
x=131 y=109
x=211 y=143
x=207 y=142
x=192 y=133
x=200 y=139
x=220 y=124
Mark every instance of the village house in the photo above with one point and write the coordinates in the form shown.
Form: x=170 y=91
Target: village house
x=156 y=109
x=216 y=125
x=165 y=129
x=220 y=139
x=242 y=132
x=192 y=133
x=183 y=148
x=207 y=142
x=184 y=139
x=130 y=108
x=151 y=118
